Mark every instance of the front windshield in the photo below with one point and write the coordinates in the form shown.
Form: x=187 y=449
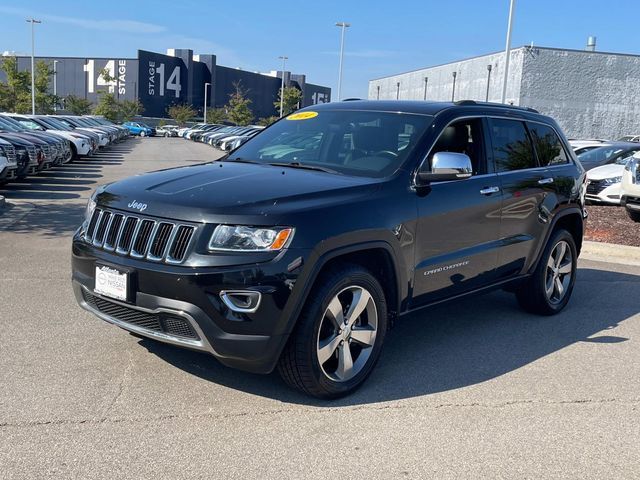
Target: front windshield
x=360 y=143
x=599 y=154
x=6 y=125
x=55 y=123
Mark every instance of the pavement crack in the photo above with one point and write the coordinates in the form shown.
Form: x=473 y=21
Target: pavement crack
x=121 y=388
x=312 y=410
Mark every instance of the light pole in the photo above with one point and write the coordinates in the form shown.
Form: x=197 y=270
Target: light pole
x=343 y=26
x=488 y=82
x=426 y=82
x=284 y=59
x=507 y=50
x=33 y=21
x=206 y=85
x=55 y=85
x=453 y=91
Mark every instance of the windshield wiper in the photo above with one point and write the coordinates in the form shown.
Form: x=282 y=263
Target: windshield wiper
x=239 y=160
x=305 y=166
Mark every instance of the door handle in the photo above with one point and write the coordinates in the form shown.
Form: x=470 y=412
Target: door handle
x=545 y=181
x=489 y=190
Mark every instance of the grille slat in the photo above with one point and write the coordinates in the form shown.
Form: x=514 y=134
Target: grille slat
x=155 y=322
x=158 y=241
x=113 y=232
x=141 y=242
x=179 y=248
x=124 y=244
x=101 y=228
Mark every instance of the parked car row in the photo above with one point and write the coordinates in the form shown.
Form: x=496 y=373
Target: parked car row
x=612 y=172
x=223 y=137
x=30 y=144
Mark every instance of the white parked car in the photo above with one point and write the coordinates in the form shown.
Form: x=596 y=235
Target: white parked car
x=167 y=131
x=604 y=183
x=630 y=188
x=584 y=145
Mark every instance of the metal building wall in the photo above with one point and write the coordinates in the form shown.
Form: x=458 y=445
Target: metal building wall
x=471 y=81
x=590 y=94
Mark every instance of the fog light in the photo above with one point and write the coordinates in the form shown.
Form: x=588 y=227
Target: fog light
x=241 y=301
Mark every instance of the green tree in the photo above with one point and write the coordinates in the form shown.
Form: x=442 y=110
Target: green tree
x=45 y=101
x=77 y=105
x=238 y=108
x=129 y=109
x=181 y=113
x=216 y=115
x=108 y=107
x=266 y=121
x=291 y=100
x=15 y=95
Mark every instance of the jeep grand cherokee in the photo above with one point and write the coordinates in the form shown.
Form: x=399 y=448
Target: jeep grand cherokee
x=299 y=249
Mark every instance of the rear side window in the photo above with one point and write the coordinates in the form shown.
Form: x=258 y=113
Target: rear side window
x=512 y=148
x=548 y=145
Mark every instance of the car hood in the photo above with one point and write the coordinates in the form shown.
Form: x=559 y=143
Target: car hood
x=223 y=191
x=605 y=171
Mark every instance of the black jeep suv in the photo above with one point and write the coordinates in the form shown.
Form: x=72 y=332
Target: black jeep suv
x=300 y=248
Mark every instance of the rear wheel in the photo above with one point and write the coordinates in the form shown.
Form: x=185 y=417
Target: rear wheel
x=339 y=335
x=633 y=215
x=548 y=290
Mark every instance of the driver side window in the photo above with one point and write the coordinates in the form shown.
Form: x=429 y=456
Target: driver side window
x=463 y=136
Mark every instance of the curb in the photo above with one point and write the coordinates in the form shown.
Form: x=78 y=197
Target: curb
x=610 y=252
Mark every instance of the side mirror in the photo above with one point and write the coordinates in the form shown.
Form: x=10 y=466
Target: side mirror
x=446 y=166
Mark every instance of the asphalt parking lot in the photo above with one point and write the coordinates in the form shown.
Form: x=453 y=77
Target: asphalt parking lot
x=466 y=390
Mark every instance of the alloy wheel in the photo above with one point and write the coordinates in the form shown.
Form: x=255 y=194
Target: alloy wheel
x=559 y=272
x=347 y=333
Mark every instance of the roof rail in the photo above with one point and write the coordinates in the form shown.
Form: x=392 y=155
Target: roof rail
x=350 y=99
x=493 y=104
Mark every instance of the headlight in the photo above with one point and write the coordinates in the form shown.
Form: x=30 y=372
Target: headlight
x=250 y=239
x=91 y=206
x=612 y=181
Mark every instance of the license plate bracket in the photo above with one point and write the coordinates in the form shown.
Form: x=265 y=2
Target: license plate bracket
x=112 y=282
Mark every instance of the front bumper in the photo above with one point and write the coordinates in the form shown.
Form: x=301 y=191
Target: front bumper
x=601 y=193
x=191 y=296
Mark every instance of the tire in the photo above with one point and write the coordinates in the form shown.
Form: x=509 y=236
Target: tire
x=558 y=265
x=166 y=135
x=317 y=334
x=143 y=133
x=633 y=215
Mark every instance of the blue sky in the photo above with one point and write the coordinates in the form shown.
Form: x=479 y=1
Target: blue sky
x=385 y=37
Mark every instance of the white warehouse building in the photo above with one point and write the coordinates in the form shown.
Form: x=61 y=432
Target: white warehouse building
x=591 y=94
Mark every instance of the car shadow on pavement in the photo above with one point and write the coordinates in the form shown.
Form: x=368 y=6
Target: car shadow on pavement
x=454 y=345
x=50 y=220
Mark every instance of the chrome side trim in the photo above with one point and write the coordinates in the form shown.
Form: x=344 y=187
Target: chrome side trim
x=202 y=344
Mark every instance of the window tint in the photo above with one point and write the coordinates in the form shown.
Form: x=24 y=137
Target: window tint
x=465 y=137
x=548 y=145
x=512 y=148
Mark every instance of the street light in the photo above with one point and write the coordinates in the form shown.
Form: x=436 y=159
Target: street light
x=453 y=91
x=488 y=82
x=206 y=85
x=55 y=85
x=507 y=51
x=284 y=59
x=33 y=21
x=343 y=26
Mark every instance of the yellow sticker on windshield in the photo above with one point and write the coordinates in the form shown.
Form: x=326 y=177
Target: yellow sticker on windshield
x=302 y=116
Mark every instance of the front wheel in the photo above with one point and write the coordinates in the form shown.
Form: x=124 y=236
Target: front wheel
x=548 y=290
x=143 y=133
x=633 y=215
x=339 y=335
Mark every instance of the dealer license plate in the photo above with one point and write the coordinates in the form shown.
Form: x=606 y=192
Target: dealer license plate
x=111 y=282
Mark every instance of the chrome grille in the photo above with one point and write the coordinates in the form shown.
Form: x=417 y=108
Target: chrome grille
x=33 y=154
x=154 y=240
x=10 y=151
